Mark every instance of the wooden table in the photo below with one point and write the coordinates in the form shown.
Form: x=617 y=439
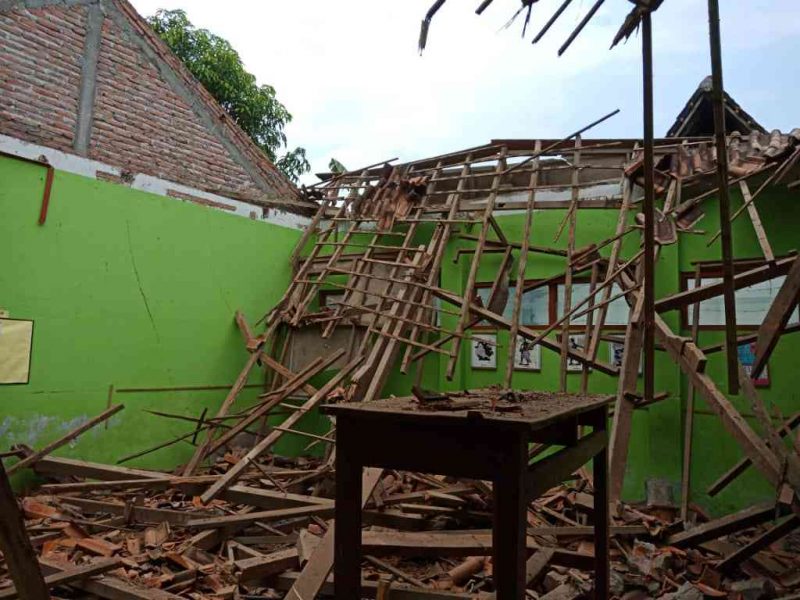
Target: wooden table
x=466 y=438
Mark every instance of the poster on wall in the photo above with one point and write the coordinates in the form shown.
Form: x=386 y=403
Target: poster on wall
x=747 y=356
x=16 y=339
x=527 y=356
x=577 y=343
x=483 y=351
x=616 y=354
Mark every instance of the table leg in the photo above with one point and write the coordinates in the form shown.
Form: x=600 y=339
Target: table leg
x=510 y=523
x=347 y=527
x=601 y=500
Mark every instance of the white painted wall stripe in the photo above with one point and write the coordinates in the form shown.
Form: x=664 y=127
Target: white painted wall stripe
x=78 y=165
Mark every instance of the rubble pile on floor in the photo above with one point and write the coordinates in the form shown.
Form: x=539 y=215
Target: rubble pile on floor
x=116 y=532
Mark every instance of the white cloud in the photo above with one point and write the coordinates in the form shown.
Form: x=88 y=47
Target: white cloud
x=350 y=73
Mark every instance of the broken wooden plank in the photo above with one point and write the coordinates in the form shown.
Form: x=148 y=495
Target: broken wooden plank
x=689 y=357
x=16 y=547
x=250 y=569
x=313 y=577
x=237 y=470
x=137 y=513
x=773 y=534
x=553 y=469
x=240 y=494
x=749 y=517
x=537 y=563
x=242 y=520
x=65 y=439
x=241 y=380
x=369 y=589
x=69 y=576
x=740 y=467
x=110 y=588
x=755 y=219
x=776 y=319
x=522 y=263
x=711 y=290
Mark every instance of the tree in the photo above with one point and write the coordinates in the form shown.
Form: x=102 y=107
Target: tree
x=215 y=64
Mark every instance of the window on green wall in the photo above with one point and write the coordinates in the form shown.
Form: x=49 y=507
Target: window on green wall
x=544 y=304
x=616 y=315
x=534 y=309
x=752 y=303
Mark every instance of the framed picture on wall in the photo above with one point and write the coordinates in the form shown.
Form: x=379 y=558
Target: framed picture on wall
x=483 y=353
x=527 y=356
x=16 y=341
x=616 y=354
x=577 y=342
x=747 y=356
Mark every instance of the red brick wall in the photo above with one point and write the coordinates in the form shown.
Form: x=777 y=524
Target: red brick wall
x=142 y=125
x=40 y=73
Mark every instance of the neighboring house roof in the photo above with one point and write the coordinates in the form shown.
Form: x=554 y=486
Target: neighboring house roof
x=696 y=119
x=90 y=77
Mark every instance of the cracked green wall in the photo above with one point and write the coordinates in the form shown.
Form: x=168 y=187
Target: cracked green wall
x=127 y=289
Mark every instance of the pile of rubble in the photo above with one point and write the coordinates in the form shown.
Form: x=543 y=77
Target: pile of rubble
x=116 y=532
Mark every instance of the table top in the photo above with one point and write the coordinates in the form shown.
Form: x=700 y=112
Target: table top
x=526 y=409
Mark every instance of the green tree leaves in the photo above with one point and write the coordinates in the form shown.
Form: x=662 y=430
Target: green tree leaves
x=215 y=64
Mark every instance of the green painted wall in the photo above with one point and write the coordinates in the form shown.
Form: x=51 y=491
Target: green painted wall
x=714 y=449
x=127 y=289
x=136 y=290
x=656 y=447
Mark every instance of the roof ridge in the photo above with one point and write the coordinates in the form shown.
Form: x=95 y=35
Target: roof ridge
x=236 y=134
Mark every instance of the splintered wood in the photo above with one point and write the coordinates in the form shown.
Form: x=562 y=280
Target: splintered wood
x=370 y=296
x=427 y=537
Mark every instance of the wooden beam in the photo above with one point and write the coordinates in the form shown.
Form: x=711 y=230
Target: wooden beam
x=370 y=589
x=68 y=576
x=65 y=439
x=110 y=588
x=718 y=105
x=316 y=367
x=688 y=422
x=741 y=280
x=553 y=469
x=778 y=315
x=624 y=406
x=522 y=263
x=319 y=565
x=648 y=207
x=740 y=467
x=476 y=259
x=245 y=519
x=239 y=494
x=690 y=359
x=749 y=517
x=789 y=459
x=237 y=470
x=755 y=219
x=773 y=534
x=241 y=380
x=16 y=547
x=524 y=331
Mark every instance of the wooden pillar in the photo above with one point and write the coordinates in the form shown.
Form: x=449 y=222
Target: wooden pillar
x=509 y=535
x=601 y=502
x=649 y=209
x=347 y=526
x=23 y=565
x=717 y=101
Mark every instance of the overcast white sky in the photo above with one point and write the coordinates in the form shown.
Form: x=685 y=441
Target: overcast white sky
x=350 y=74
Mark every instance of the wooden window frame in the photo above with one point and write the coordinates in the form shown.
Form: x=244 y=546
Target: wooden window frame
x=552 y=305
x=688 y=276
